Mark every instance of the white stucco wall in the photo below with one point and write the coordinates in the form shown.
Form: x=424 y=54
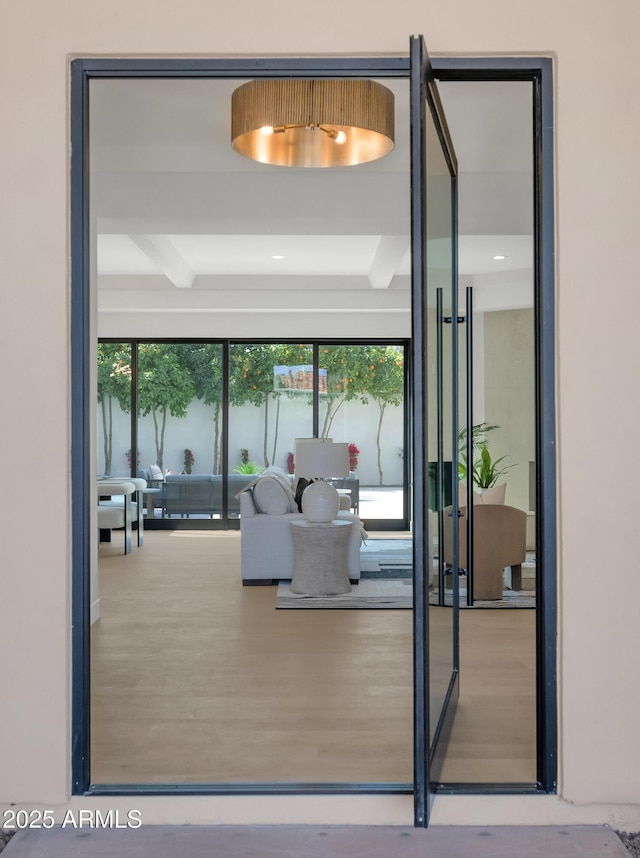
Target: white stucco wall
x=598 y=125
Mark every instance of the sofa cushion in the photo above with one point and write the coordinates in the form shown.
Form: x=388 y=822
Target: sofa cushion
x=155 y=472
x=270 y=497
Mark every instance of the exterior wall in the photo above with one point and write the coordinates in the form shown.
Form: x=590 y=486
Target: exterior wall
x=598 y=110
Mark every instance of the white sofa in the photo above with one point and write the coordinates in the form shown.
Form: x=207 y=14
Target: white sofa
x=266 y=543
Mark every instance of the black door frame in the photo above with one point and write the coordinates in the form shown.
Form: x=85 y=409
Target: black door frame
x=537 y=70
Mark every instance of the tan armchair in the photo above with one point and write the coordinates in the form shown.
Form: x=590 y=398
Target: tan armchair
x=500 y=540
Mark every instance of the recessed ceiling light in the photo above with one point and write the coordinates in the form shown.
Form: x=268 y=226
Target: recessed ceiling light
x=278 y=257
x=499 y=256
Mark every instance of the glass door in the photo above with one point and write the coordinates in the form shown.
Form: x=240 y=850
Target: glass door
x=435 y=424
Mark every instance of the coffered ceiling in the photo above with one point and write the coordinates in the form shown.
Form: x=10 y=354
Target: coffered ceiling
x=183 y=222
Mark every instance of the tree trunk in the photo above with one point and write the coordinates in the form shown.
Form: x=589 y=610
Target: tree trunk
x=275 y=431
x=331 y=413
x=164 y=426
x=216 y=439
x=107 y=440
x=266 y=431
x=156 y=437
x=110 y=434
x=382 y=406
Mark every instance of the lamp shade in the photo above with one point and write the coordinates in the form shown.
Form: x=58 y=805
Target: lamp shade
x=320 y=457
x=312 y=123
x=317 y=458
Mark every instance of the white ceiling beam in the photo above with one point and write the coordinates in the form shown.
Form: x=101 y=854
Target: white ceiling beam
x=197 y=300
x=163 y=254
x=387 y=259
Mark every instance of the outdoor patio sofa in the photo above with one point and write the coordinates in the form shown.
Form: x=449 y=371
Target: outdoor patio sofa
x=198 y=494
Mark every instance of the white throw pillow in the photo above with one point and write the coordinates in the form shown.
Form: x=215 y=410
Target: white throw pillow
x=270 y=497
x=155 y=472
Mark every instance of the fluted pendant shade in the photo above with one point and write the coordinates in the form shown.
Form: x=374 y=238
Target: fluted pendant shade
x=312 y=123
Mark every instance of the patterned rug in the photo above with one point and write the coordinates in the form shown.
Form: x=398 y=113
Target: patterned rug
x=395 y=593
x=386 y=577
x=510 y=599
x=386 y=558
x=363 y=596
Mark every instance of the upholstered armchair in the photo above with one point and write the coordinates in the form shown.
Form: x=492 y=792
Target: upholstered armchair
x=500 y=540
x=119 y=513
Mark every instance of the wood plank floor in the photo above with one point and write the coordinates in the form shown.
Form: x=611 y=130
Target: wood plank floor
x=195 y=678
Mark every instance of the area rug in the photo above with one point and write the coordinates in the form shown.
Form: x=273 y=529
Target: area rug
x=386 y=567
x=510 y=599
x=363 y=596
x=386 y=558
x=394 y=594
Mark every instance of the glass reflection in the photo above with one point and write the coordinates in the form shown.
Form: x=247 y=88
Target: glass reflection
x=361 y=402
x=439 y=408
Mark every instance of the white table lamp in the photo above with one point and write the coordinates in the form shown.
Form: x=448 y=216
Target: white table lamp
x=317 y=459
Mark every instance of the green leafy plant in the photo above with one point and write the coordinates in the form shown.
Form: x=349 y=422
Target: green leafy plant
x=485 y=471
x=248 y=468
x=478 y=435
x=189 y=460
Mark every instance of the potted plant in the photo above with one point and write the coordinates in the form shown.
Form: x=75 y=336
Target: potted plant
x=354 y=452
x=189 y=460
x=248 y=468
x=485 y=471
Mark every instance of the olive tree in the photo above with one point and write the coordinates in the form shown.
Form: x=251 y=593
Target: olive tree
x=114 y=383
x=251 y=381
x=165 y=387
x=204 y=362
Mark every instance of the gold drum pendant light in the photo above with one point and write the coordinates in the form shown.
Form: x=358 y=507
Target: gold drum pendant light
x=312 y=123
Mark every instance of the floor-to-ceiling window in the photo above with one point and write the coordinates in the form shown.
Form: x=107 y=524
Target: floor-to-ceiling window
x=274 y=394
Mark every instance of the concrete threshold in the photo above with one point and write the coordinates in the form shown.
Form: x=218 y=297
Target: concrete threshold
x=312 y=841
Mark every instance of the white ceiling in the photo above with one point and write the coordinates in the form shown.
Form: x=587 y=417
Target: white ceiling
x=176 y=209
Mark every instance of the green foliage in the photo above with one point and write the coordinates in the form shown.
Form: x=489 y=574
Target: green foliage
x=189 y=460
x=486 y=471
x=204 y=362
x=478 y=435
x=165 y=386
x=114 y=373
x=251 y=380
x=248 y=468
x=363 y=373
x=114 y=382
x=345 y=380
x=384 y=379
